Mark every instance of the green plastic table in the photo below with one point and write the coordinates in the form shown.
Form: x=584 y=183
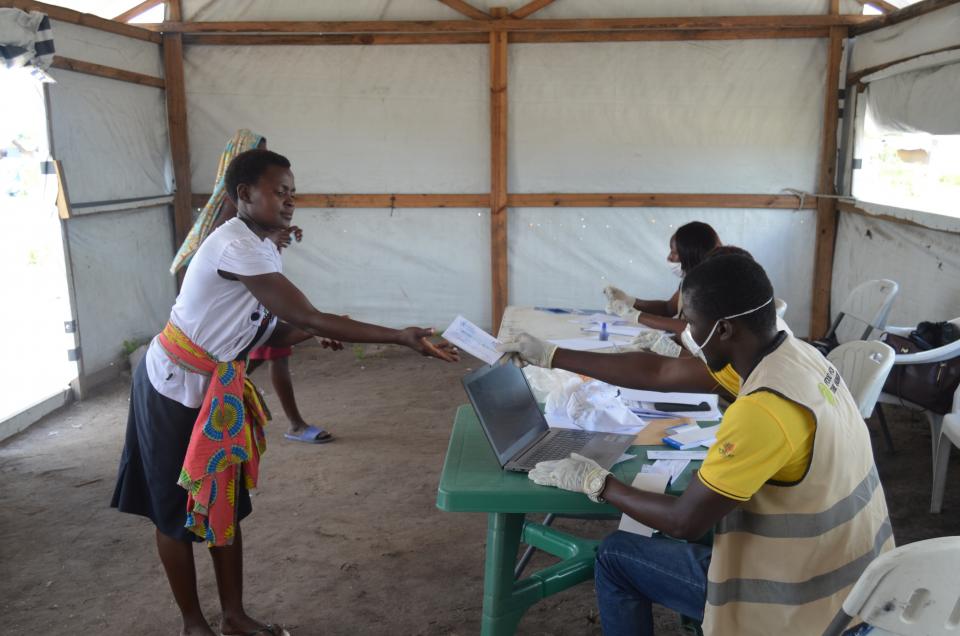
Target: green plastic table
x=472 y=481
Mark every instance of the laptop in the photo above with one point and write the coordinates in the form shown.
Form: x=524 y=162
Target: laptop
x=516 y=429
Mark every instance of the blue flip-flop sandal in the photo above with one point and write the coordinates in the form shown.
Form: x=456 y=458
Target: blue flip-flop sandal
x=310 y=435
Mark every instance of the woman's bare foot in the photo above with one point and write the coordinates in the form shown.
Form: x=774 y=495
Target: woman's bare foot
x=196 y=629
x=246 y=626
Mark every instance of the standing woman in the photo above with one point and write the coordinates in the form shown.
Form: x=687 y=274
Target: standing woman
x=689 y=245
x=218 y=210
x=195 y=430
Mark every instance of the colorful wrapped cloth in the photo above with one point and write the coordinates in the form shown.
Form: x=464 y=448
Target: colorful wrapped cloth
x=242 y=141
x=226 y=442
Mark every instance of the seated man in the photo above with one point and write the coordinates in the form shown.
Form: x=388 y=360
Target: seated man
x=790 y=486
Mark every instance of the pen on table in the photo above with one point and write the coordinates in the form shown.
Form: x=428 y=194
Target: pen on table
x=603 y=332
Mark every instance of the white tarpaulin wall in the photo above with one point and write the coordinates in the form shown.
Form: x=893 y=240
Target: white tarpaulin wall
x=920 y=95
x=727 y=117
x=111 y=138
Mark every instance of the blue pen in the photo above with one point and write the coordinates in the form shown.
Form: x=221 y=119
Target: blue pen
x=603 y=332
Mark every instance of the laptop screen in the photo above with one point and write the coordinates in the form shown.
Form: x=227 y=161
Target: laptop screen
x=508 y=412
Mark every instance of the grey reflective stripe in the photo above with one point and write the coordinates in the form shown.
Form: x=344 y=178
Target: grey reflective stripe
x=781 y=593
x=803 y=526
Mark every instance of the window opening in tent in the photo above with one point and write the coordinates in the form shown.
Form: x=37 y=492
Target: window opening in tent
x=33 y=341
x=913 y=171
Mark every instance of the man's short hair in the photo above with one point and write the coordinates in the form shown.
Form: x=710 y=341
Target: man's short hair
x=248 y=167
x=729 y=284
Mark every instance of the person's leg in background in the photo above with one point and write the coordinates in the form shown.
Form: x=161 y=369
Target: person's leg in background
x=279 y=359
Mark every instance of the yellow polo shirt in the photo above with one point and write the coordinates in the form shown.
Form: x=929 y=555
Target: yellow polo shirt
x=763 y=438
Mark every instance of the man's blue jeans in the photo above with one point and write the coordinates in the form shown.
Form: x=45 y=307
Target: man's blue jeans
x=633 y=572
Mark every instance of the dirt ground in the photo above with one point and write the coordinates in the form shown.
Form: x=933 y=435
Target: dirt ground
x=345 y=537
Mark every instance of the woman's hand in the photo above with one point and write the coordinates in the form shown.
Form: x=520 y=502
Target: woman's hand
x=283 y=238
x=333 y=345
x=418 y=340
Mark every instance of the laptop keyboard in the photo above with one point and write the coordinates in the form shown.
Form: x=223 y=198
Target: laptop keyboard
x=561 y=444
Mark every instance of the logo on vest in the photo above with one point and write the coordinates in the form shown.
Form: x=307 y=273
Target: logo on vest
x=828 y=388
x=726 y=450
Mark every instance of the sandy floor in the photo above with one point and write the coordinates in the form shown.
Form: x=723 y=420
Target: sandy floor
x=345 y=538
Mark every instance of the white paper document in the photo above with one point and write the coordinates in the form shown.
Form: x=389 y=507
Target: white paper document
x=473 y=340
x=676 y=454
x=651 y=482
x=672 y=467
x=584 y=344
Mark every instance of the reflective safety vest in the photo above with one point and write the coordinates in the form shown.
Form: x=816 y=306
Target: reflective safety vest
x=784 y=561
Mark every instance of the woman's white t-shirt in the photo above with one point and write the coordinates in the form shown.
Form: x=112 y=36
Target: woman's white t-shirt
x=219 y=315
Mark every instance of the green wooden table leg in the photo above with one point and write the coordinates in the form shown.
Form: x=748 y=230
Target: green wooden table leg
x=501 y=609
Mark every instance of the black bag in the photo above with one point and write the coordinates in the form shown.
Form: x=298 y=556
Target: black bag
x=930 y=385
x=825 y=345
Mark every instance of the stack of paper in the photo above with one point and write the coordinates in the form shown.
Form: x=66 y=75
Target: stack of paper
x=692 y=436
x=643 y=403
x=672 y=467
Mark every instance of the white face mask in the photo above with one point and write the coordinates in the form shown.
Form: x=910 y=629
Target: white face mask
x=686 y=337
x=677 y=269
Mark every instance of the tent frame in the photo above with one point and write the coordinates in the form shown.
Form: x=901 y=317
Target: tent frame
x=497 y=30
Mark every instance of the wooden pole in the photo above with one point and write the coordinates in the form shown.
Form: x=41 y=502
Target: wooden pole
x=89 y=68
x=744 y=23
x=552 y=37
x=177 y=125
x=826 y=236
x=549 y=200
x=498 y=171
x=84 y=19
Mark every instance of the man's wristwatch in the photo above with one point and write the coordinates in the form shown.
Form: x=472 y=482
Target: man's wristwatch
x=594 y=483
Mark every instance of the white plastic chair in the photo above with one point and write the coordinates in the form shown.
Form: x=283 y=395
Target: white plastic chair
x=940 y=354
x=864 y=366
x=780 y=306
x=864 y=311
x=949 y=437
x=913 y=589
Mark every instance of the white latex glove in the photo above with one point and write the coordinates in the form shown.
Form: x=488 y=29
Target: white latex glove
x=621 y=304
x=530 y=350
x=576 y=473
x=658 y=342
